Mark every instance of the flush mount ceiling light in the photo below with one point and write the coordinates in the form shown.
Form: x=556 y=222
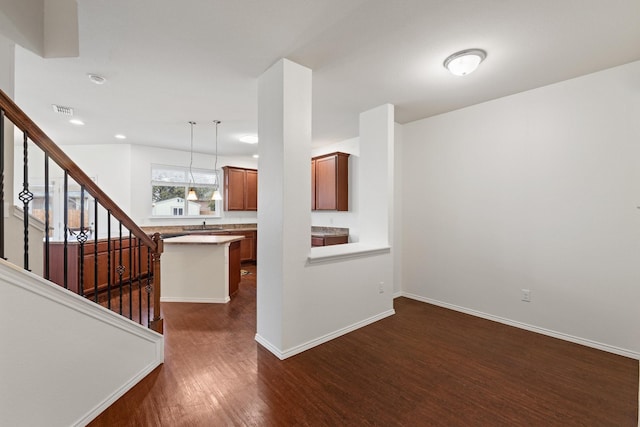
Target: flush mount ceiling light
x=249 y=139
x=464 y=62
x=120 y=136
x=76 y=122
x=97 y=79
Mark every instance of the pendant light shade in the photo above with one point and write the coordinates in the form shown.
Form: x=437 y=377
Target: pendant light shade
x=216 y=195
x=192 y=196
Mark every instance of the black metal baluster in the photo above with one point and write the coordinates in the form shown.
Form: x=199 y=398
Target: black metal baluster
x=82 y=239
x=25 y=196
x=139 y=281
x=109 y=260
x=148 y=288
x=2 y=184
x=120 y=267
x=46 y=217
x=66 y=230
x=95 y=250
x=130 y=277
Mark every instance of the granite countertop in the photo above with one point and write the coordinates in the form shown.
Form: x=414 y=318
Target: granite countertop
x=202 y=240
x=329 y=231
x=175 y=230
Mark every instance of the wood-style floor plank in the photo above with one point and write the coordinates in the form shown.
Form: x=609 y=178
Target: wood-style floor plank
x=425 y=366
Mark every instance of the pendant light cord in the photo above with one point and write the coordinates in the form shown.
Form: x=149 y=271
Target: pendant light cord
x=215 y=166
x=193 y=182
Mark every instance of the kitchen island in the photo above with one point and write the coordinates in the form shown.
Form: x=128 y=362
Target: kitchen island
x=200 y=268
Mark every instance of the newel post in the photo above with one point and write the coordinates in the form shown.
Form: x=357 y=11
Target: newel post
x=157 y=323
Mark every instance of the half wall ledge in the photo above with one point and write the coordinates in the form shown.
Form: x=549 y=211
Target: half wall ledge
x=327 y=254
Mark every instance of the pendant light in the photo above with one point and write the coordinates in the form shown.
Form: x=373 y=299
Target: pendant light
x=192 y=196
x=216 y=187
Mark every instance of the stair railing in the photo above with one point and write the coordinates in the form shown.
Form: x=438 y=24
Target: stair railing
x=76 y=260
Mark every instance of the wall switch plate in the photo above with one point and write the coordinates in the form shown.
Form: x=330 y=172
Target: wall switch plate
x=526 y=295
x=381 y=288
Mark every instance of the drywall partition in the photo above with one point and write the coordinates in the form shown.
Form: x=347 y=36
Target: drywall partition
x=304 y=302
x=536 y=191
x=64 y=359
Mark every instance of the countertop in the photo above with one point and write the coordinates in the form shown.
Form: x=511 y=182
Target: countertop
x=178 y=230
x=329 y=231
x=200 y=239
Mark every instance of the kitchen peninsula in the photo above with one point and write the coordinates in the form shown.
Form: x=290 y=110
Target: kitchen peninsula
x=200 y=268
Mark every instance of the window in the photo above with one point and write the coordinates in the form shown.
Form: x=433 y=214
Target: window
x=170 y=186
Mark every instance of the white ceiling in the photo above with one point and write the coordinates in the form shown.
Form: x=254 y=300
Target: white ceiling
x=167 y=62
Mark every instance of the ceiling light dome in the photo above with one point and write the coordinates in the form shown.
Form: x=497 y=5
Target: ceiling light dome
x=464 y=62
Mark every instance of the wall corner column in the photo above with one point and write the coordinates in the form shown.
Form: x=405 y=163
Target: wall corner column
x=284 y=193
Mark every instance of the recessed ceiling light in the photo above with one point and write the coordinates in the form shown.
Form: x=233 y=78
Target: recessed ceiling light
x=464 y=62
x=255 y=156
x=249 y=139
x=97 y=79
x=76 y=122
x=120 y=136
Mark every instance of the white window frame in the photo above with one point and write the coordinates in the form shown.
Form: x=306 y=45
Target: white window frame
x=180 y=176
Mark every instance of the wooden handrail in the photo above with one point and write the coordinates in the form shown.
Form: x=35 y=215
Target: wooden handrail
x=38 y=137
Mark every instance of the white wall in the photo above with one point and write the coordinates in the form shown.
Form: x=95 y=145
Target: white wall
x=536 y=191
x=64 y=359
x=130 y=183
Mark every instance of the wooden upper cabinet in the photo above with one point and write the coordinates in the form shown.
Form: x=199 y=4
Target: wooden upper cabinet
x=330 y=181
x=240 y=189
x=251 y=194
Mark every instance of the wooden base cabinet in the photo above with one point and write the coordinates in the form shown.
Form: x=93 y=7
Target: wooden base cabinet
x=330 y=182
x=248 y=245
x=328 y=240
x=134 y=262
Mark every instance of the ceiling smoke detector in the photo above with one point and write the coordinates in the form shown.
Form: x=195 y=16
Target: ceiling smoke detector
x=67 y=111
x=97 y=79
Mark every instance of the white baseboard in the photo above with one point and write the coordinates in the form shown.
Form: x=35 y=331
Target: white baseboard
x=54 y=295
x=198 y=300
x=566 y=337
x=320 y=340
x=117 y=394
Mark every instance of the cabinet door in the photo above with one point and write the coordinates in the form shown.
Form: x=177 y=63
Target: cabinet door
x=234 y=184
x=326 y=183
x=90 y=269
x=247 y=246
x=251 y=191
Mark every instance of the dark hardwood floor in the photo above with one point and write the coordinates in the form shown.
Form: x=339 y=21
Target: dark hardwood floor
x=425 y=366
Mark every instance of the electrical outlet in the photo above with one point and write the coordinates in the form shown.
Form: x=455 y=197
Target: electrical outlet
x=526 y=295
x=381 y=288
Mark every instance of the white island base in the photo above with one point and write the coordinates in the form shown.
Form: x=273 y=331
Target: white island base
x=200 y=268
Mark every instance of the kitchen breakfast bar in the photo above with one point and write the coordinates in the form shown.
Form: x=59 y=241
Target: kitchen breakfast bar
x=200 y=268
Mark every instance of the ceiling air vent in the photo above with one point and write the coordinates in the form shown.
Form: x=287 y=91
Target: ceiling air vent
x=67 y=111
